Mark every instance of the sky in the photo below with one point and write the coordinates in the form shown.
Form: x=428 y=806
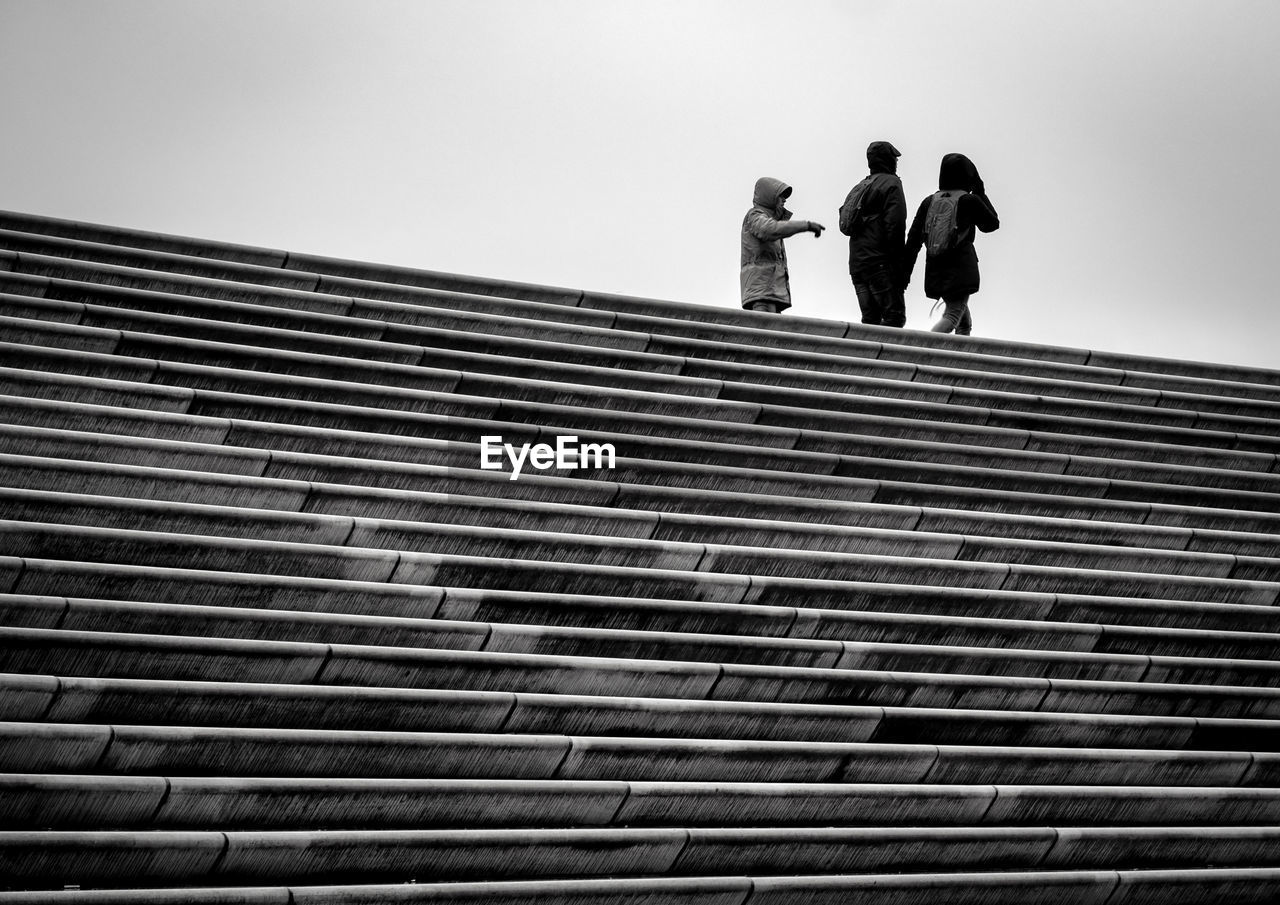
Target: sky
x=1130 y=146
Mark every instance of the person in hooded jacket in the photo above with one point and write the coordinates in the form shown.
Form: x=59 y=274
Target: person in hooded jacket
x=952 y=275
x=763 y=276
x=874 y=217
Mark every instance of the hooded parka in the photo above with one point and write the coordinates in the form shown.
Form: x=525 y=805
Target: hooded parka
x=882 y=226
x=763 y=274
x=954 y=272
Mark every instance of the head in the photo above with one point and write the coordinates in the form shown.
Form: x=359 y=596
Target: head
x=771 y=193
x=882 y=157
x=957 y=172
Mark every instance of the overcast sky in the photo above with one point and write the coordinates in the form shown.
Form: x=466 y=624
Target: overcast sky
x=1130 y=146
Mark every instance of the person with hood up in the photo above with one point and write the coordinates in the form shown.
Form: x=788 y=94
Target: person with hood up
x=763 y=277
x=874 y=217
x=946 y=220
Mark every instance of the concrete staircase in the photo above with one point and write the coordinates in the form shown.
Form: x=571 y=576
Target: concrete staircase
x=856 y=615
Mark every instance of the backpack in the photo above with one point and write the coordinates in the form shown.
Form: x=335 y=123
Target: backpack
x=851 y=210
x=941 y=233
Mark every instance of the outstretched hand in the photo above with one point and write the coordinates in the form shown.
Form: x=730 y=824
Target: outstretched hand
x=816 y=228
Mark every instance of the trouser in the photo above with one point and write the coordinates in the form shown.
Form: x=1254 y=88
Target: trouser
x=881 y=302
x=956 y=316
x=767 y=307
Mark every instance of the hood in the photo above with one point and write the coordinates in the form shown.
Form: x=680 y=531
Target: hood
x=771 y=193
x=882 y=157
x=957 y=172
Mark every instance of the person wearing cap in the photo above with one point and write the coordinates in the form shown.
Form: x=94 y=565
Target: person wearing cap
x=763 y=277
x=874 y=217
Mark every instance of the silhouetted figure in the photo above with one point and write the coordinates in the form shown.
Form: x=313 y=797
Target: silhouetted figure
x=945 y=224
x=874 y=217
x=763 y=277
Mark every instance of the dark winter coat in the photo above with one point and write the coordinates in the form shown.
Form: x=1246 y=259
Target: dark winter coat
x=882 y=227
x=955 y=271
x=763 y=275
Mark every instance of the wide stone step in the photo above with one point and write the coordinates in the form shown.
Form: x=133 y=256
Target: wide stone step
x=123 y=330
x=662 y=349
x=712 y=546
x=265 y=261
x=221 y=751
x=487 y=331
x=588 y=564
x=674 y=442
x=1247 y=886
x=810 y=638
x=241 y=704
x=380 y=617
x=402 y=365
x=42 y=351
x=590 y=641
x=37 y=459
x=133 y=858
x=140 y=382
x=973 y=489
x=123 y=655
x=88 y=801
x=426 y=466
x=205 y=444
x=33 y=457
x=755 y=603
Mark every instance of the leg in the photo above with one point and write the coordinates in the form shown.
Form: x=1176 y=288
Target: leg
x=895 y=309
x=893 y=305
x=956 y=315
x=965 y=327
x=766 y=307
x=881 y=302
x=868 y=302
